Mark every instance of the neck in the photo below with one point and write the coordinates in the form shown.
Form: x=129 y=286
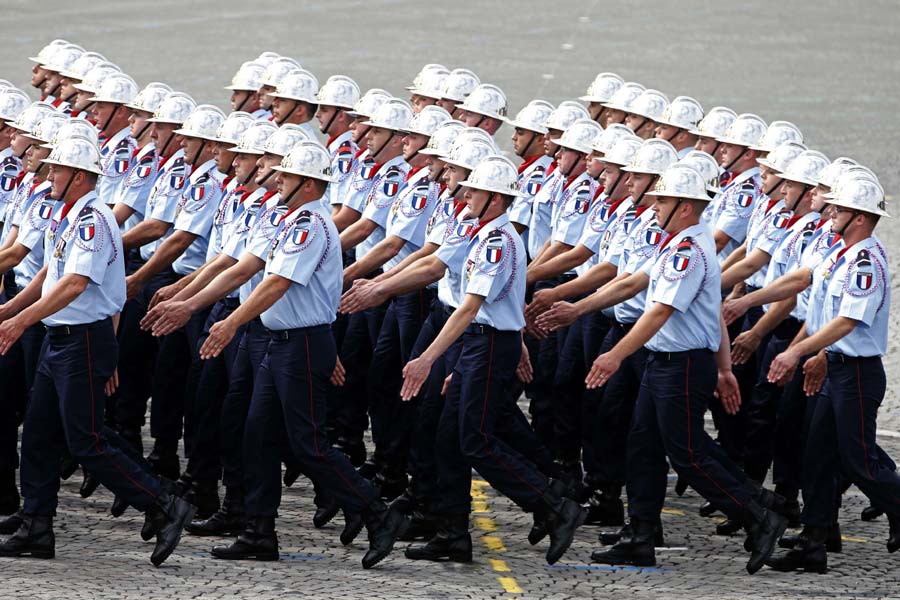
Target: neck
x=857 y=235
x=298 y=202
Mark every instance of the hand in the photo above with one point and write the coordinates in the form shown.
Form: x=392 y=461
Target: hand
x=728 y=392
x=173 y=314
x=524 y=371
x=540 y=303
x=814 y=370
x=602 y=369
x=783 y=367
x=164 y=293
x=533 y=330
x=560 y=315
x=220 y=335
x=5 y=312
x=364 y=294
x=446 y=385
x=339 y=376
x=133 y=285
x=10 y=331
x=744 y=346
x=113 y=384
x=414 y=375
x=733 y=309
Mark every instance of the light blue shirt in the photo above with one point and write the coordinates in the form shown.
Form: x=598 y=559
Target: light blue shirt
x=343 y=152
x=32 y=229
x=786 y=256
x=410 y=214
x=116 y=156
x=642 y=245
x=162 y=203
x=734 y=208
x=196 y=210
x=853 y=283
x=452 y=253
x=361 y=180
x=686 y=276
x=602 y=212
x=532 y=175
x=237 y=234
x=260 y=239
x=541 y=225
x=572 y=209
x=443 y=215
x=16 y=206
x=307 y=250
x=223 y=219
x=815 y=251
x=86 y=242
x=10 y=168
x=134 y=188
x=495 y=269
x=389 y=180
x=765 y=232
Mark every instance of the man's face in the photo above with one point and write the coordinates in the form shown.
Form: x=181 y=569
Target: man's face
x=472 y=119
x=666 y=132
x=610 y=177
x=264 y=169
x=475 y=199
x=435 y=168
x=730 y=153
x=59 y=177
x=550 y=149
x=240 y=99
x=138 y=123
x=454 y=175
x=265 y=96
x=412 y=143
x=5 y=134
x=244 y=164
x=568 y=159
x=613 y=116
x=19 y=143
x=377 y=139
x=595 y=166
x=522 y=138
x=641 y=126
x=34 y=156
x=818 y=197
x=102 y=112
x=38 y=76
x=67 y=89
x=448 y=105
x=83 y=101
x=282 y=108
x=419 y=102
x=286 y=183
x=326 y=116
x=52 y=84
x=594 y=109
x=162 y=134
x=224 y=158
x=638 y=183
x=792 y=191
x=192 y=147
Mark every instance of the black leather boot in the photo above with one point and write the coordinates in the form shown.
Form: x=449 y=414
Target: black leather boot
x=170 y=514
x=833 y=543
x=34 y=538
x=707 y=510
x=422 y=526
x=355 y=450
x=353 y=524
x=205 y=496
x=88 y=485
x=119 y=506
x=11 y=524
x=807 y=555
x=292 y=473
x=164 y=459
x=608 y=538
x=893 y=543
x=227 y=521
x=391 y=483
x=538 y=527
x=67 y=466
x=763 y=538
x=681 y=486
x=9 y=492
x=870 y=513
x=605 y=507
x=384 y=524
x=564 y=518
x=451 y=542
x=256 y=542
x=729 y=527
x=326 y=509
x=637 y=549
x=368 y=470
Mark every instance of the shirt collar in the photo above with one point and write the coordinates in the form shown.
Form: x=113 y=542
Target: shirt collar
x=204 y=168
x=746 y=175
x=336 y=140
x=485 y=229
x=112 y=141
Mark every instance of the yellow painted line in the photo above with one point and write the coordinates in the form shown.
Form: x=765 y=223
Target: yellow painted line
x=499 y=565
x=485 y=524
x=479 y=483
x=673 y=511
x=509 y=585
x=479 y=506
x=493 y=543
x=853 y=539
x=478 y=494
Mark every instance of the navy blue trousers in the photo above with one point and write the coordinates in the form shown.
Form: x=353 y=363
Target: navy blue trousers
x=668 y=421
x=841 y=441
x=17 y=372
x=290 y=396
x=67 y=410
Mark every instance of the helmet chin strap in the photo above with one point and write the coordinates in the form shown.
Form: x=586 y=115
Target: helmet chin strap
x=671 y=214
x=735 y=159
x=199 y=151
x=774 y=187
x=68 y=185
x=524 y=151
x=250 y=176
x=290 y=113
x=485 y=207
x=22 y=155
x=162 y=151
x=847 y=224
x=331 y=120
x=245 y=100
x=640 y=198
x=384 y=145
x=290 y=196
x=481 y=119
x=110 y=117
x=806 y=188
x=439 y=174
x=572 y=168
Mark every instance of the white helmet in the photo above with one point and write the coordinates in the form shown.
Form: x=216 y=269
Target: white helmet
x=233 y=127
x=653 y=157
x=255 y=137
x=565 y=114
x=150 y=98
x=580 y=136
x=681 y=181
x=487 y=100
x=31 y=116
x=76 y=153
x=371 y=100
x=625 y=96
x=494 y=174
x=286 y=137
x=430 y=83
x=830 y=174
x=307 y=159
x=612 y=134
x=533 y=116
x=43 y=56
x=424 y=71
x=469 y=154
x=651 y=104
x=776 y=134
x=95 y=77
x=392 y=114
x=442 y=139
x=64 y=58
x=118 y=88
x=299 y=85
x=203 y=122
x=74 y=128
x=278 y=70
x=458 y=84
x=83 y=65
x=5 y=84
x=779 y=158
x=602 y=88
x=340 y=91
x=706 y=165
x=427 y=120
x=48 y=127
x=683 y=112
x=859 y=193
x=266 y=58
x=175 y=108
x=249 y=77
x=715 y=123
x=476 y=133
x=12 y=102
x=745 y=131
x=623 y=151
x=806 y=167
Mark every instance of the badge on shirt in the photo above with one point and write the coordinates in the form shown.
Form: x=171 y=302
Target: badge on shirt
x=681 y=261
x=302 y=232
x=419 y=198
x=45 y=209
x=344 y=158
x=87 y=235
x=390 y=185
x=494 y=250
x=464 y=229
x=367 y=170
x=177 y=175
x=781 y=220
x=122 y=159
x=9 y=172
x=653 y=236
x=534 y=181
x=861 y=279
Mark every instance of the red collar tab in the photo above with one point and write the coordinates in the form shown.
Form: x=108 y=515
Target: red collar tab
x=528 y=162
x=640 y=210
x=412 y=172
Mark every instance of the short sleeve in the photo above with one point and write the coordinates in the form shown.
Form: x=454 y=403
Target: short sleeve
x=736 y=211
x=489 y=269
x=34 y=225
x=301 y=246
x=410 y=219
x=198 y=205
x=864 y=289
x=381 y=197
x=773 y=231
x=573 y=214
x=92 y=248
x=682 y=273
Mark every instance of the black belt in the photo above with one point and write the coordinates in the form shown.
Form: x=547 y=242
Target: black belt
x=837 y=357
x=287 y=334
x=61 y=330
x=698 y=353
x=479 y=329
